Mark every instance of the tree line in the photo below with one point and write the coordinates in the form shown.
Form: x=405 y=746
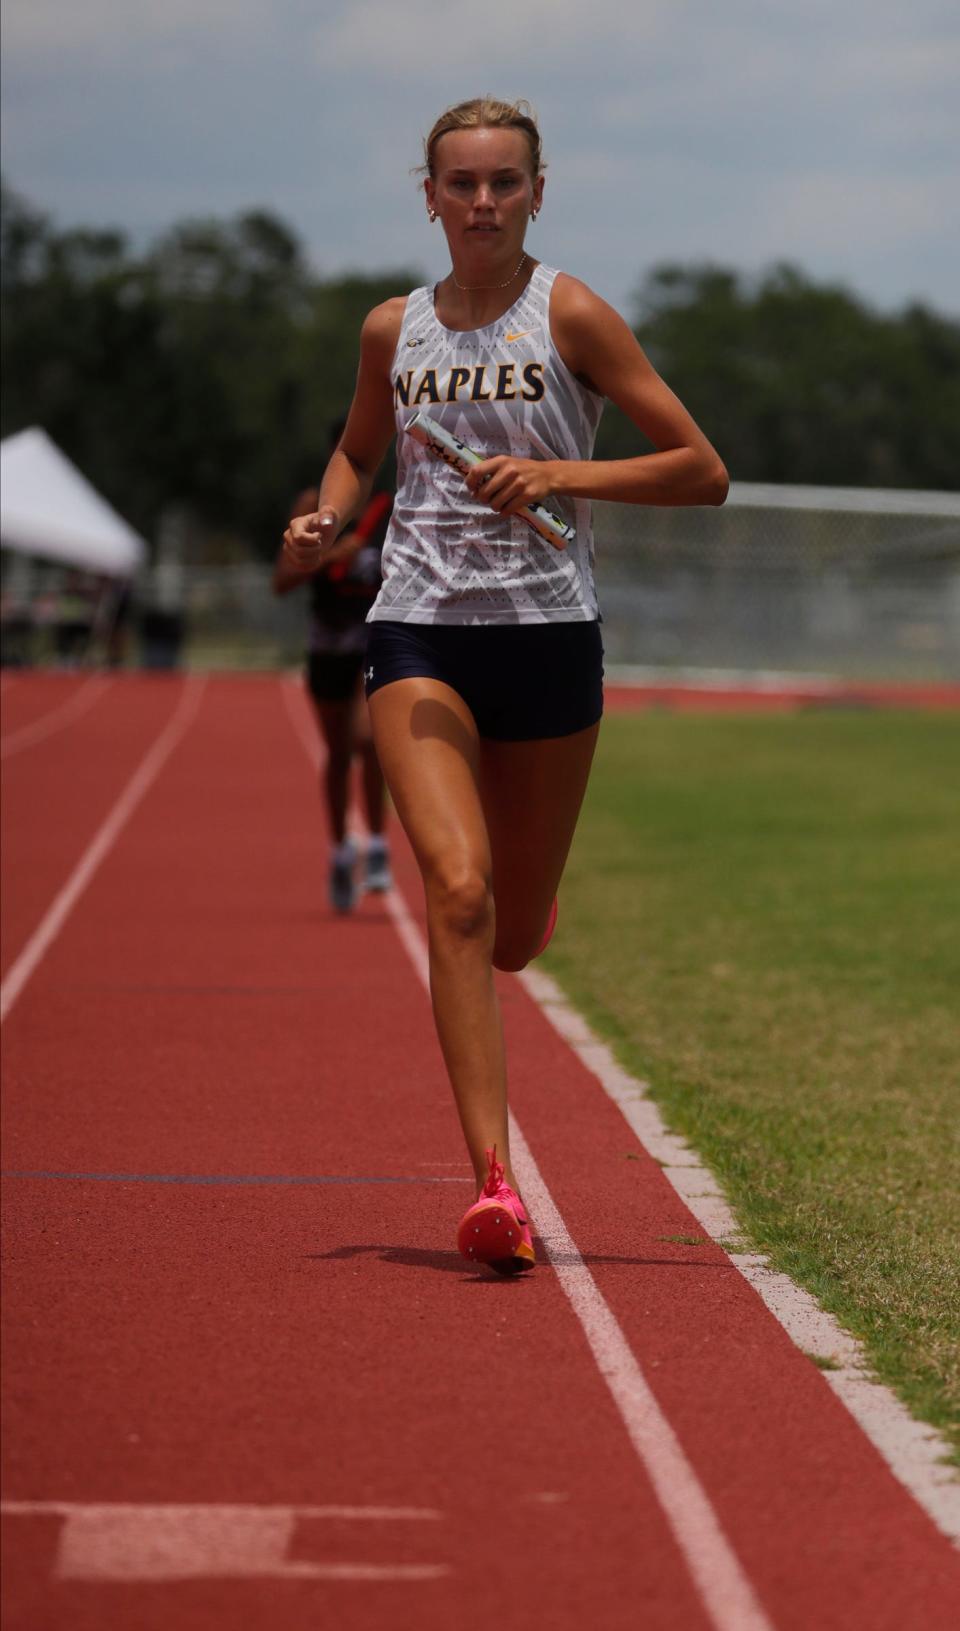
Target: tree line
x=203 y=371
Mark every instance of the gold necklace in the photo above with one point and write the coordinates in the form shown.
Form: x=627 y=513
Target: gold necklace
x=471 y=288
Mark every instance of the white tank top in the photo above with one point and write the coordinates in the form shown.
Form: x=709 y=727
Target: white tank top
x=504 y=388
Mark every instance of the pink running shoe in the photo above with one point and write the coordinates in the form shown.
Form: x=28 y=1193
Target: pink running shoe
x=496 y=1229
x=548 y=931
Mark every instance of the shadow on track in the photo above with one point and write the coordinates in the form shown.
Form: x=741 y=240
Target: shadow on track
x=412 y=1257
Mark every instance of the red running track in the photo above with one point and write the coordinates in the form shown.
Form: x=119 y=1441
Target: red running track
x=287 y=1401
x=779 y=698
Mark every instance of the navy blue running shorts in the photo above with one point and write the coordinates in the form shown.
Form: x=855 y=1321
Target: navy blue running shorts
x=522 y=682
x=332 y=675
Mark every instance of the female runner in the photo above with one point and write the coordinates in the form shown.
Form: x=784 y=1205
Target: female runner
x=484 y=661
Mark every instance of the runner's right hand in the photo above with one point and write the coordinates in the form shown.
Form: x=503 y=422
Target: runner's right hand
x=309 y=538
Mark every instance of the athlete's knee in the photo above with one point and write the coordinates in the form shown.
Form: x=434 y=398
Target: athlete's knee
x=461 y=901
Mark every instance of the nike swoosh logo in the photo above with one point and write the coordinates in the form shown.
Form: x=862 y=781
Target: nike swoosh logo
x=416 y=342
x=521 y=336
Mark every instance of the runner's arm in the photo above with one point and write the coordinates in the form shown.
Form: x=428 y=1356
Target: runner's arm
x=605 y=355
x=349 y=476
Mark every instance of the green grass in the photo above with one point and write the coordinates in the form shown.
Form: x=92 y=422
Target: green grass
x=763 y=916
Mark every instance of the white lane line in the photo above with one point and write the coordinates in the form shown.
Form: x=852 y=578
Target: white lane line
x=143 y=777
x=58 y=718
x=728 y=1597
x=306 y=733
x=915 y=1453
x=123 y=1542
x=727 y=1594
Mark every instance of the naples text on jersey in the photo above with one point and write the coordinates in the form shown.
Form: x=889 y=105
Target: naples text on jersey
x=484 y=382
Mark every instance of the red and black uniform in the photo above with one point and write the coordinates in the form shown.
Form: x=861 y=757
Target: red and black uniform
x=341 y=595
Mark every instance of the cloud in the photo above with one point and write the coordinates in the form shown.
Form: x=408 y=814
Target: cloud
x=434 y=41
x=41 y=28
x=816 y=213
x=744 y=132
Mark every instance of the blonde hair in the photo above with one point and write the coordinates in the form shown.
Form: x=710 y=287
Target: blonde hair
x=485 y=112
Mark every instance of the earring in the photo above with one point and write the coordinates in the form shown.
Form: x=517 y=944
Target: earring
x=534 y=214
x=432 y=214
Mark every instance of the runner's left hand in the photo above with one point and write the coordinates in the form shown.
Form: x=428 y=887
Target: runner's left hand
x=507 y=484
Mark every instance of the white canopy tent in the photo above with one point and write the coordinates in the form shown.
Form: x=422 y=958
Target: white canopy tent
x=47 y=508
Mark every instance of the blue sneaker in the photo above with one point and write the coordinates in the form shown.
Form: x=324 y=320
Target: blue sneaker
x=343 y=888
x=377 y=877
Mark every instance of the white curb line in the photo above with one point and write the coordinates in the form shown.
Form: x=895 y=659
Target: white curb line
x=914 y=1451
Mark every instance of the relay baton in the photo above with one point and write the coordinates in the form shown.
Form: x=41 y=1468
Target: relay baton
x=444 y=445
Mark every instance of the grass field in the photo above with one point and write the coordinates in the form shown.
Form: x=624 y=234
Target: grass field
x=763 y=916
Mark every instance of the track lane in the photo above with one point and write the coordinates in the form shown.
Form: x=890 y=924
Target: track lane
x=86 y=696
x=56 y=795
x=31 y=695
x=687 y=696
x=283 y=1344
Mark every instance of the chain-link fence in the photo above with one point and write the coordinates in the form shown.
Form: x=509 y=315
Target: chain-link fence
x=855 y=582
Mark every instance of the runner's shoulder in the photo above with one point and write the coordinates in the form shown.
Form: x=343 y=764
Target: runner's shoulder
x=381 y=327
x=578 y=307
x=582 y=322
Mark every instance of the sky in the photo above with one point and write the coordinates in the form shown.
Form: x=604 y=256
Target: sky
x=740 y=132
